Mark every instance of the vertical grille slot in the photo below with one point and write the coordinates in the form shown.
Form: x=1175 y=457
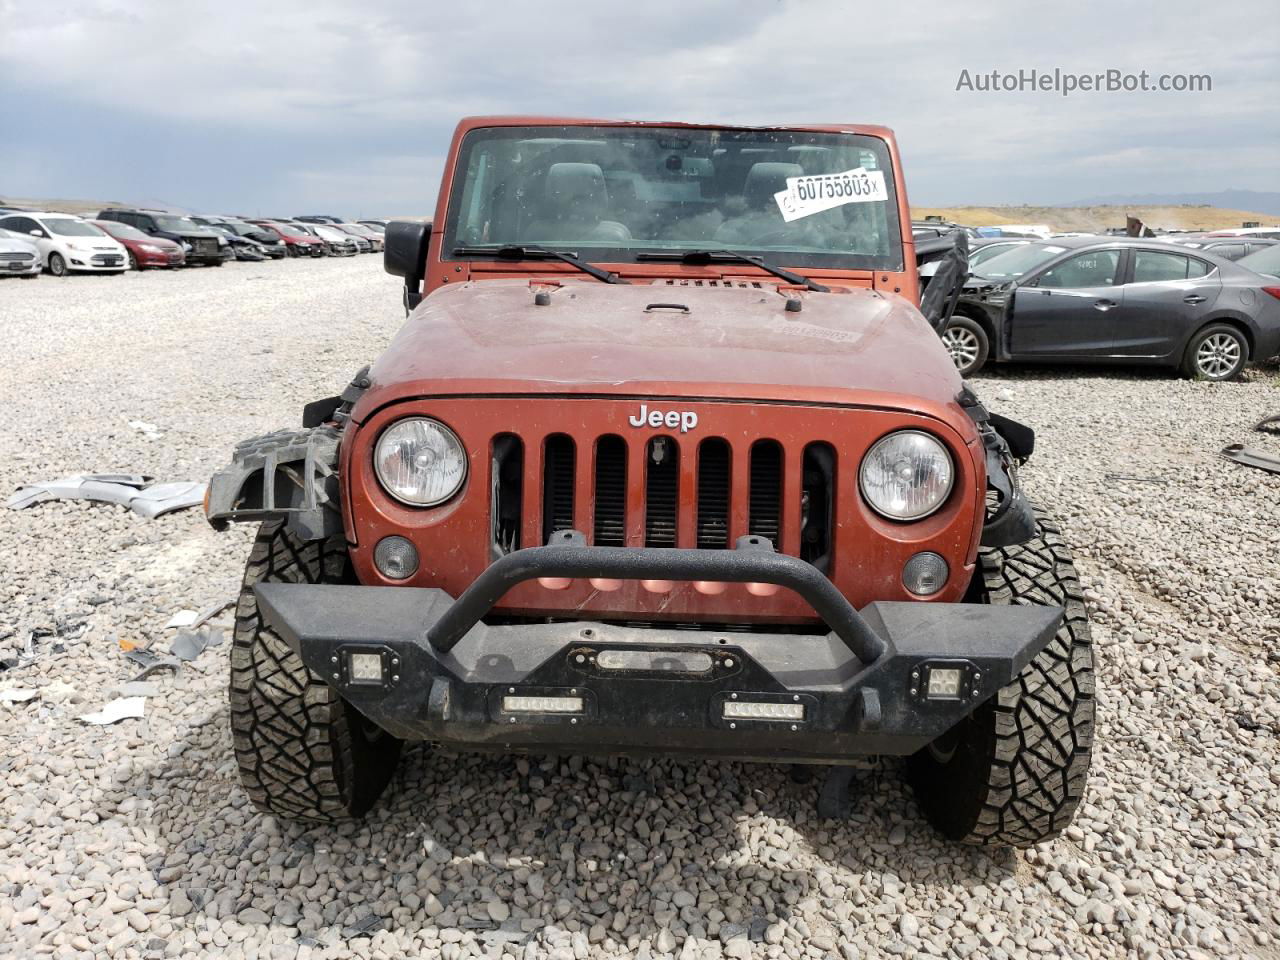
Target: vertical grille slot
x=557 y=485
x=662 y=492
x=507 y=496
x=611 y=492
x=817 y=505
x=713 y=494
x=764 y=511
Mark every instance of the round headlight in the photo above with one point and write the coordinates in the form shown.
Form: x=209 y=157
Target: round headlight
x=906 y=475
x=420 y=462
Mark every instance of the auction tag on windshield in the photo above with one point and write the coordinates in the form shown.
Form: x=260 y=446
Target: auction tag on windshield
x=806 y=196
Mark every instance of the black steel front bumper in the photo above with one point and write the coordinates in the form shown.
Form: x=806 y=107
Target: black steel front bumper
x=862 y=688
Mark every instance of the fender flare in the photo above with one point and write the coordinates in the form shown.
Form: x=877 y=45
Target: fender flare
x=289 y=475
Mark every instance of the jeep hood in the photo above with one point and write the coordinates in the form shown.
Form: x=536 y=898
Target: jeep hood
x=734 y=340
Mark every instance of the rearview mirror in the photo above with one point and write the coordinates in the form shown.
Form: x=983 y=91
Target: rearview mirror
x=405 y=255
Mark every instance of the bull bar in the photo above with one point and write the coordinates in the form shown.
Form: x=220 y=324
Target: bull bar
x=424 y=666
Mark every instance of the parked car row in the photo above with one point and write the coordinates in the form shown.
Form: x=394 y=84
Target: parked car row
x=120 y=239
x=1107 y=299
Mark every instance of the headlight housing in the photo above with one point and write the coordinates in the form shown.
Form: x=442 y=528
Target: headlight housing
x=420 y=461
x=906 y=475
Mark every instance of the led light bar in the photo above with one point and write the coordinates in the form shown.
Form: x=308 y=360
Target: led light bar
x=755 y=710
x=542 y=705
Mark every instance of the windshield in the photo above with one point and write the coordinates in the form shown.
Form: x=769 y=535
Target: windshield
x=289 y=230
x=329 y=233
x=609 y=193
x=243 y=229
x=989 y=252
x=1265 y=261
x=1012 y=264
x=72 y=228
x=178 y=224
x=123 y=230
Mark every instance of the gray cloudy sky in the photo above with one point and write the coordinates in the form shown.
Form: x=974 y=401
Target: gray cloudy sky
x=286 y=107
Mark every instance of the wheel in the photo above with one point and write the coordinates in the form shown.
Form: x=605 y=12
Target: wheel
x=303 y=752
x=1014 y=771
x=133 y=262
x=967 y=343
x=57 y=265
x=219 y=262
x=1218 y=352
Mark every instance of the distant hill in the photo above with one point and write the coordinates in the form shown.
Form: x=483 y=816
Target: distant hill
x=1098 y=217
x=1262 y=201
x=81 y=207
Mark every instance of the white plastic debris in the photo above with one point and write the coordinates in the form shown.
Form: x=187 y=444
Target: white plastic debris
x=148 y=430
x=183 y=618
x=18 y=695
x=137 y=492
x=1004 y=393
x=126 y=708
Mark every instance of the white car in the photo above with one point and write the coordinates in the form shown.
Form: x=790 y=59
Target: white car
x=19 y=256
x=68 y=243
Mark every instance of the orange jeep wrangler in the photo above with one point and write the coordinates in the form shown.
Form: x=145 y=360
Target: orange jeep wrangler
x=667 y=459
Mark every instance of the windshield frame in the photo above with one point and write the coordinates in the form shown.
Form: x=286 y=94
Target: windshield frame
x=892 y=262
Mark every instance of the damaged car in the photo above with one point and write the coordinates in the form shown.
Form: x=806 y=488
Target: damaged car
x=668 y=458
x=1115 y=300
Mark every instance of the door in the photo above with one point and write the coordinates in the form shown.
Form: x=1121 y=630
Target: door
x=1067 y=310
x=25 y=227
x=1167 y=295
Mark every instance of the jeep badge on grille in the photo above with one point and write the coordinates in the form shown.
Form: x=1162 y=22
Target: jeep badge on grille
x=686 y=420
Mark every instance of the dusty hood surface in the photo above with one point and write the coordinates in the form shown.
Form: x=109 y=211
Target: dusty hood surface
x=733 y=342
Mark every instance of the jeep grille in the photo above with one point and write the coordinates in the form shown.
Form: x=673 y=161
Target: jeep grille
x=703 y=468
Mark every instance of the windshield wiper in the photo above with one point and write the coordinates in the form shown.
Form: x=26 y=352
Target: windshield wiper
x=533 y=252
x=703 y=257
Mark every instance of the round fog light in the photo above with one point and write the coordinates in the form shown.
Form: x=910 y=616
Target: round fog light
x=925 y=574
x=396 y=558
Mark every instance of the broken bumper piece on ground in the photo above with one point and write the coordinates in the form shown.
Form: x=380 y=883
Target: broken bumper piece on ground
x=137 y=492
x=1251 y=457
x=885 y=680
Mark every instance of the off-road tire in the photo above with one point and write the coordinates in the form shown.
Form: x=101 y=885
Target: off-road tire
x=1013 y=772
x=1218 y=364
x=304 y=752
x=967 y=343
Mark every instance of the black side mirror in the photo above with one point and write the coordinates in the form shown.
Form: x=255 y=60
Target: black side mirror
x=405 y=255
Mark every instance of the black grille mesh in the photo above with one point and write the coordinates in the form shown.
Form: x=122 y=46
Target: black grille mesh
x=764 y=518
x=557 y=486
x=662 y=490
x=611 y=493
x=713 y=494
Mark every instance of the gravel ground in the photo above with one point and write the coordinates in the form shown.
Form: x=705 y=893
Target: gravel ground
x=135 y=840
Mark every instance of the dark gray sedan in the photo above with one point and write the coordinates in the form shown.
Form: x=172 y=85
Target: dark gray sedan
x=1115 y=300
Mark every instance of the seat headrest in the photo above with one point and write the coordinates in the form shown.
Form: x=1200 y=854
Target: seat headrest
x=766 y=179
x=581 y=184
